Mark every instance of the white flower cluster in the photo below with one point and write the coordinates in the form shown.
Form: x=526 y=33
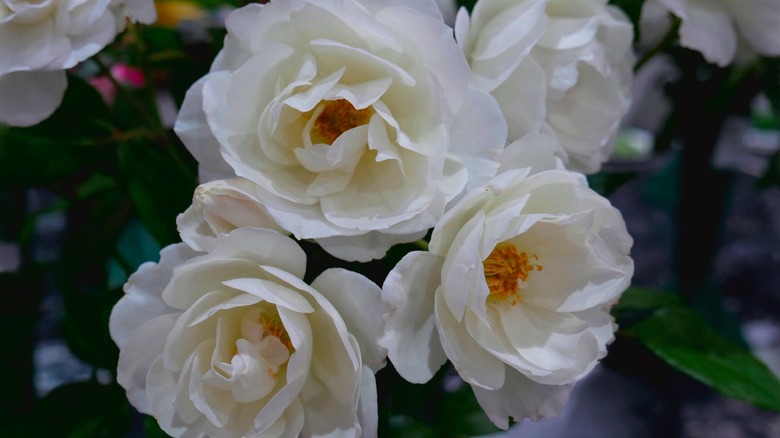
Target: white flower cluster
x=39 y=40
x=360 y=124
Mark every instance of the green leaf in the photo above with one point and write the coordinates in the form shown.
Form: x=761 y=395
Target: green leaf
x=604 y=183
x=680 y=337
x=84 y=409
x=60 y=146
x=639 y=298
x=160 y=185
x=404 y=426
x=81 y=116
x=461 y=415
x=94 y=226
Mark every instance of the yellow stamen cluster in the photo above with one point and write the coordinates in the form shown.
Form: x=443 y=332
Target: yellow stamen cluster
x=506 y=271
x=337 y=117
x=274 y=327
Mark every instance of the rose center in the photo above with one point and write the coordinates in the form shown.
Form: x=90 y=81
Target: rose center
x=273 y=327
x=506 y=272
x=337 y=117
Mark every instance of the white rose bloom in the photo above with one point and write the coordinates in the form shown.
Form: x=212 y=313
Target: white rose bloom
x=219 y=207
x=233 y=343
x=354 y=118
x=715 y=27
x=40 y=39
x=514 y=290
x=558 y=66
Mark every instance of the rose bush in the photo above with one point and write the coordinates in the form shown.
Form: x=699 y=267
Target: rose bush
x=355 y=120
x=40 y=39
x=233 y=343
x=556 y=66
x=515 y=291
x=716 y=28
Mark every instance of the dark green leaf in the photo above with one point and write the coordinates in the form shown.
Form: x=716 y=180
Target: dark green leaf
x=404 y=426
x=134 y=247
x=160 y=185
x=94 y=225
x=461 y=415
x=639 y=298
x=681 y=338
x=85 y=409
x=30 y=160
x=60 y=146
x=82 y=115
x=604 y=182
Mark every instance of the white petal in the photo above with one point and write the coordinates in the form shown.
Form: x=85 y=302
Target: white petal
x=193 y=130
x=220 y=207
x=368 y=410
x=410 y=334
x=251 y=380
x=29 y=97
x=300 y=334
x=521 y=398
x=522 y=98
x=549 y=341
x=536 y=151
x=461 y=286
x=137 y=355
x=143 y=293
x=707 y=28
x=359 y=302
x=332 y=358
x=759 y=22
x=272 y=292
x=474 y=364
x=328 y=415
x=479 y=136
x=365 y=247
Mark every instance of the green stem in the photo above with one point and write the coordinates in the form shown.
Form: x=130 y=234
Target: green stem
x=666 y=41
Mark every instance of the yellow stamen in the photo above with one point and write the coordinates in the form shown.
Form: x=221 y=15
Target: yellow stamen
x=274 y=327
x=506 y=272
x=337 y=117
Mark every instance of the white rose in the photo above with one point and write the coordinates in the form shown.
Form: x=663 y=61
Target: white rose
x=354 y=118
x=40 y=39
x=557 y=66
x=514 y=290
x=219 y=207
x=233 y=343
